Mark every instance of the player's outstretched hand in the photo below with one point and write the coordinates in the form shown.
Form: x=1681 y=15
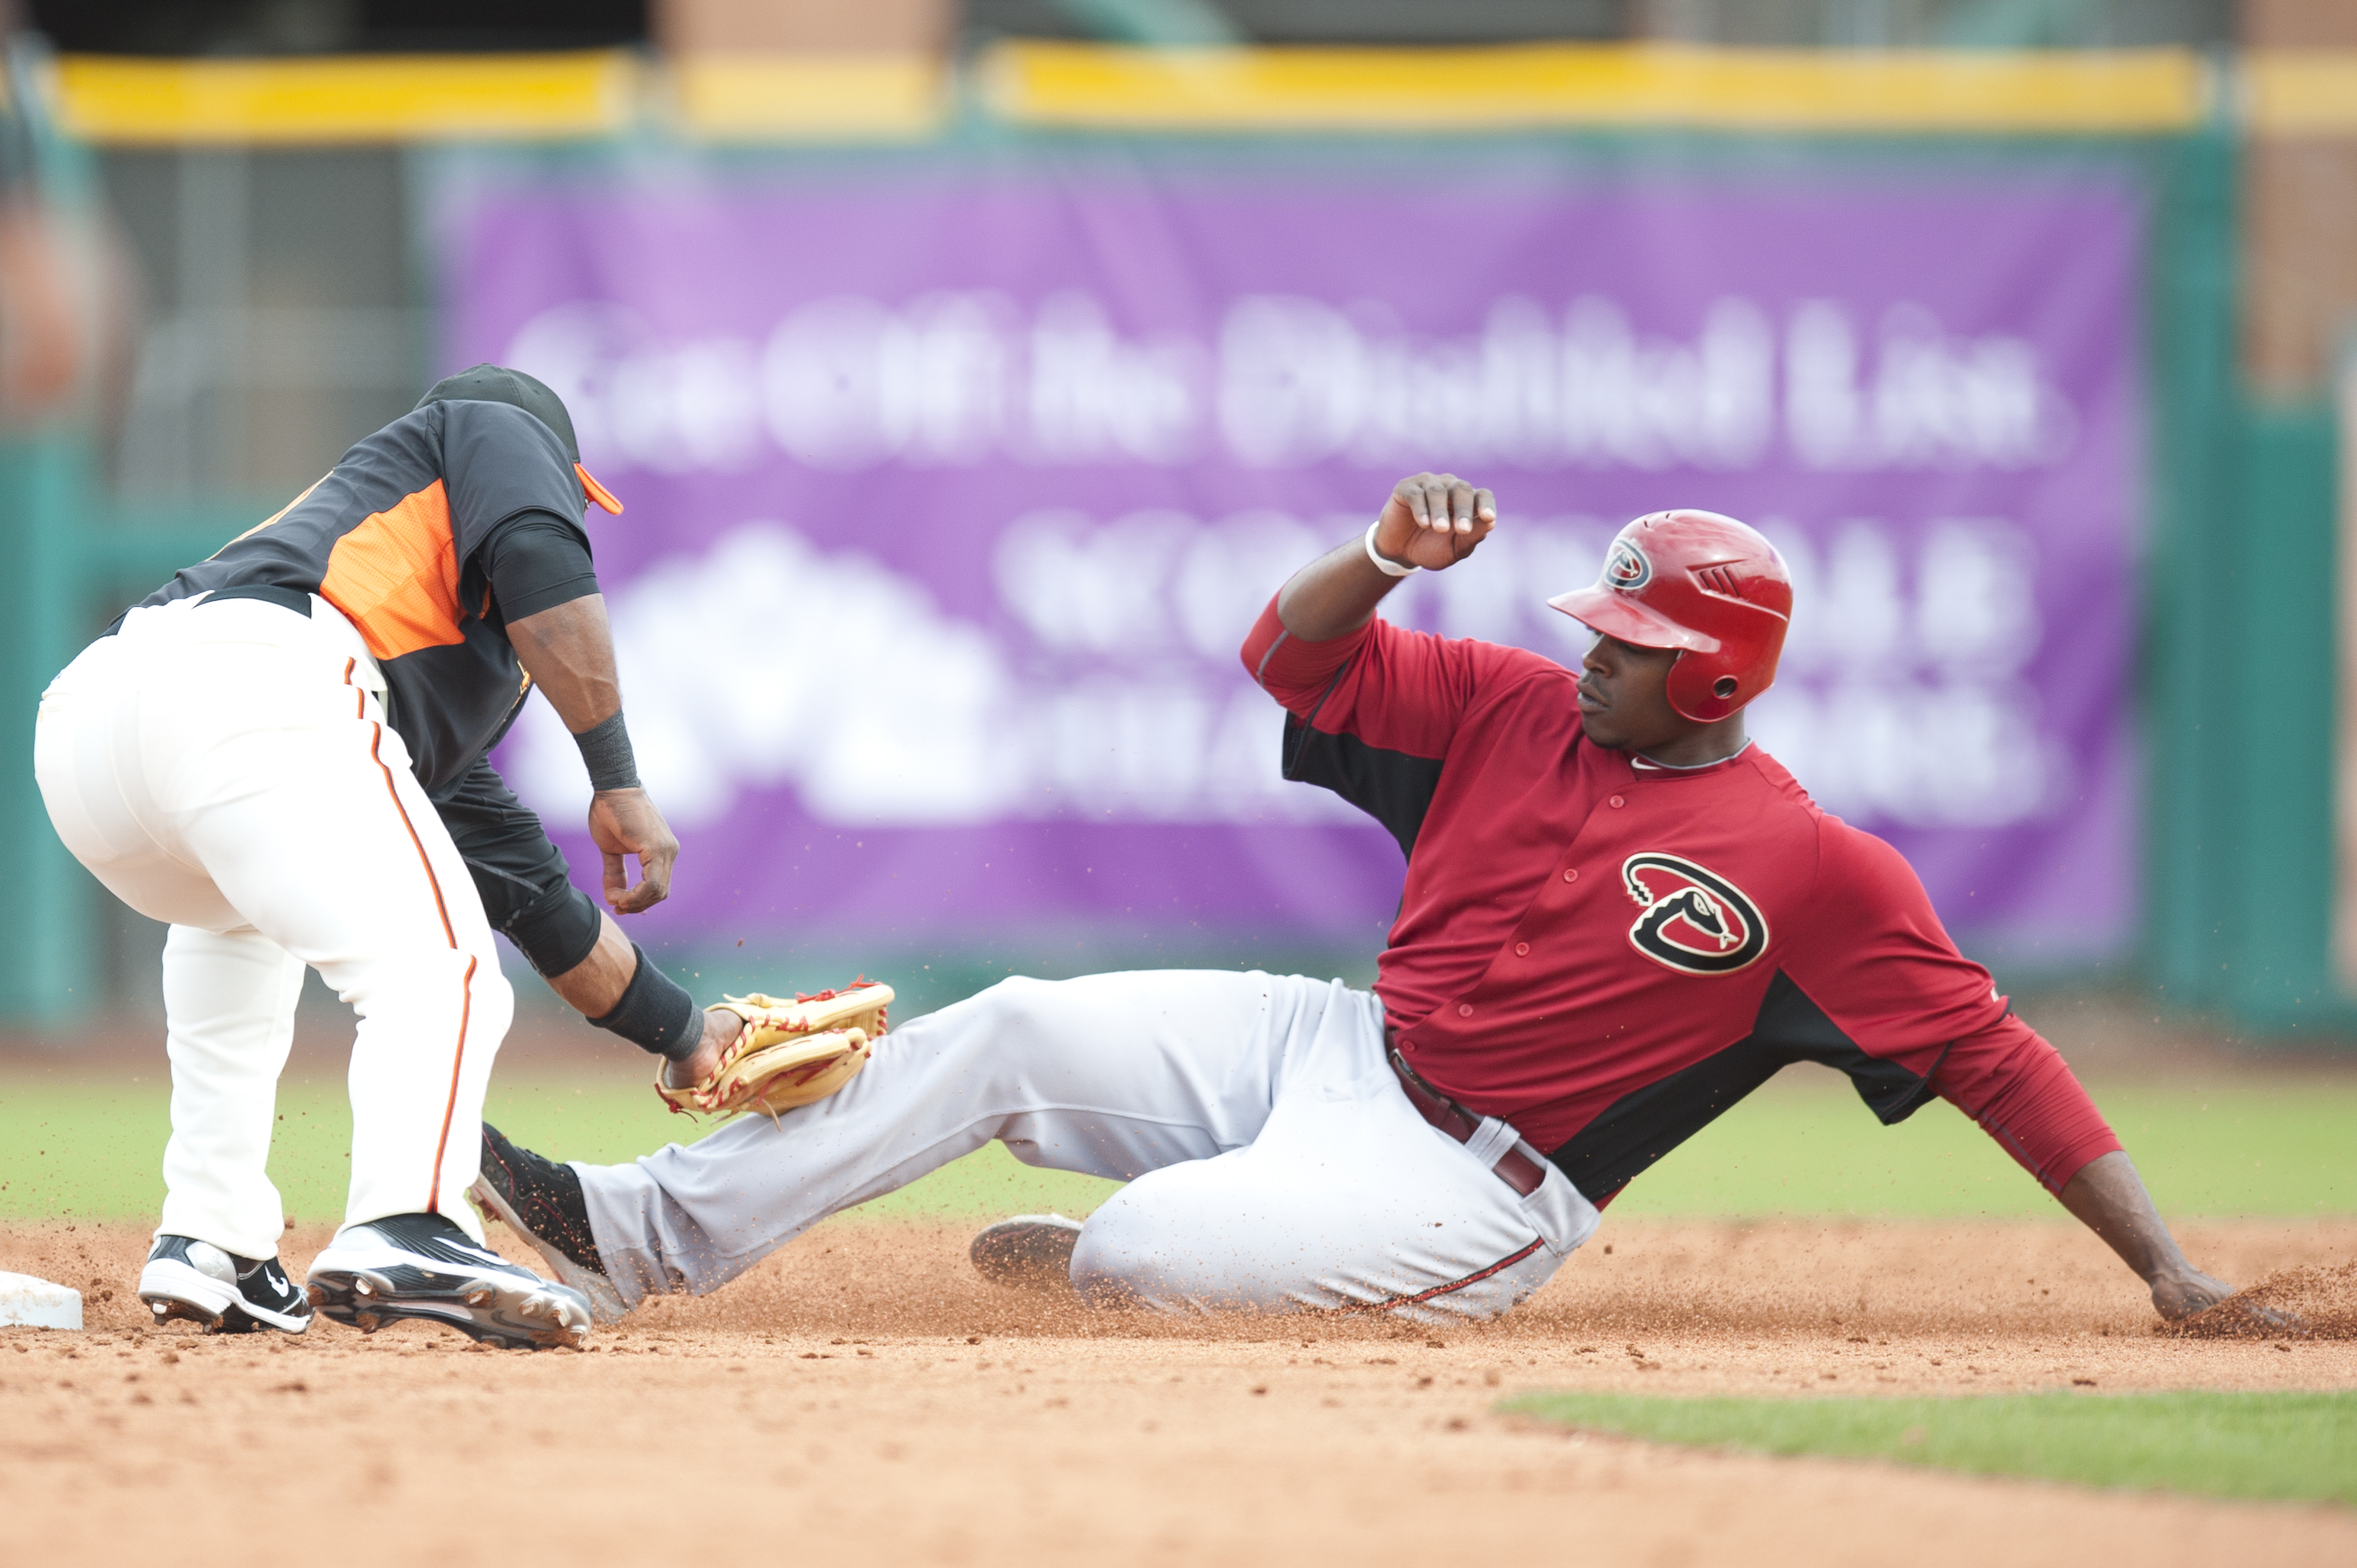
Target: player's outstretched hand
x=625 y=823
x=2235 y=1318
x=1433 y=520
x=2175 y=1296
x=2196 y=1305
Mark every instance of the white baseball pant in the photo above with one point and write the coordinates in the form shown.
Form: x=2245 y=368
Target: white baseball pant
x=227 y=768
x=1274 y=1163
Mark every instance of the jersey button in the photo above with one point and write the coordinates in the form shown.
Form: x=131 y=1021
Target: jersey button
x=1521 y=950
x=1618 y=803
x=1465 y=1009
x=1572 y=875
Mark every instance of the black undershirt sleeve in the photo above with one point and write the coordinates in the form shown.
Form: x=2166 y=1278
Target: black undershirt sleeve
x=536 y=562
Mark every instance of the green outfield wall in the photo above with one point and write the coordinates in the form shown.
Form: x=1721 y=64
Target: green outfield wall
x=2240 y=620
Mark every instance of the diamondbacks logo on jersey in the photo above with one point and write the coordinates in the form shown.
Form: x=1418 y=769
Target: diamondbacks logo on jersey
x=1627 y=567
x=1696 y=921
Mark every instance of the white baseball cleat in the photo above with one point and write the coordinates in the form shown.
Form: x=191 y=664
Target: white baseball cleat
x=200 y=1282
x=423 y=1266
x=1030 y=1252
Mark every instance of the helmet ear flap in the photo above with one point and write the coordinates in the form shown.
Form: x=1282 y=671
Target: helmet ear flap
x=1704 y=584
x=1701 y=687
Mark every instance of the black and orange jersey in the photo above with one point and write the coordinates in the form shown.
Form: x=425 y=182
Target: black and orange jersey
x=400 y=536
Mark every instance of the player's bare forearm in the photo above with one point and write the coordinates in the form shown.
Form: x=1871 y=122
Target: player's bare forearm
x=594 y=988
x=568 y=651
x=1333 y=595
x=2109 y=1199
x=1432 y=520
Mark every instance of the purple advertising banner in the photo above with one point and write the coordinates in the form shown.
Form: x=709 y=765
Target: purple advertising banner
x=950 y=499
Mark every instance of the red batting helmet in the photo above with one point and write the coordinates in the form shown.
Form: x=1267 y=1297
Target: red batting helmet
x=1707 y=586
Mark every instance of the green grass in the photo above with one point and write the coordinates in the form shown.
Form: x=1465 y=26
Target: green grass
x=90 y=1151
x=2287 y=1446
x=2256 y=1147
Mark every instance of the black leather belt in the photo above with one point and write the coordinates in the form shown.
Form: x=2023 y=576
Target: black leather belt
x=293 y=599
x=1521 y=1168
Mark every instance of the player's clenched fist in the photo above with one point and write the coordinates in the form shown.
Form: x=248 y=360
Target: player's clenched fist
x=1433 y=520
x=1429 y=520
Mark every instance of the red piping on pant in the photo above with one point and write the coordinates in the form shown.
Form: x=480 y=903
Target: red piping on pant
x=1388 y=1302
x=450 y=1106
x=442 y=908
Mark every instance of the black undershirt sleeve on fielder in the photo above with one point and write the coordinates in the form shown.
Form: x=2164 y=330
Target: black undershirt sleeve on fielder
x=537 y=561
x=498 y=463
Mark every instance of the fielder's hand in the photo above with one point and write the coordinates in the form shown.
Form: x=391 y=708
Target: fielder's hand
x=625 y=823
x=1433 y=520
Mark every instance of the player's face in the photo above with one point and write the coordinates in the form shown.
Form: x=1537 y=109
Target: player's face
x=1624 y=699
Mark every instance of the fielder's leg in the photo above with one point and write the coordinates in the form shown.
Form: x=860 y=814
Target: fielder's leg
x=340 y=857
x=229 y=1019
x=228 y=1012
x=229 y=992
x=229 y=1022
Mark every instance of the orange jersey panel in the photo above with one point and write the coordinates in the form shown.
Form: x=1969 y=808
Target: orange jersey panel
x=396 y=576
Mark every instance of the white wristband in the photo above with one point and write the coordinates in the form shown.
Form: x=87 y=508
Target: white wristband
x=1388 y=568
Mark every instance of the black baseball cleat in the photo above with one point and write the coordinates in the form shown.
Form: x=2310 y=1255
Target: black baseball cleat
x=1030 y=1252
x=422 y=1266
x=200 y=1282
x=540 y=1200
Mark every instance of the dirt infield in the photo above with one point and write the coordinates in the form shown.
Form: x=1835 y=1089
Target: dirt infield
x=2312 y=1302
x=862 y=1396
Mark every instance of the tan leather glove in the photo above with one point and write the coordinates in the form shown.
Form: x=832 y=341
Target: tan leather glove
x=789 y=1052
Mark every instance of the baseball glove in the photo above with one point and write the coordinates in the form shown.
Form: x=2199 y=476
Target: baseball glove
x=788 y=1053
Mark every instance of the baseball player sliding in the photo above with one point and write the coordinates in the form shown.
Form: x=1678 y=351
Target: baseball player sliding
x=281 y=753
x=1621 y=916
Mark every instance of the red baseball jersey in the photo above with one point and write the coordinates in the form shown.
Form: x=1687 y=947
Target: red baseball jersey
x=1608 y=953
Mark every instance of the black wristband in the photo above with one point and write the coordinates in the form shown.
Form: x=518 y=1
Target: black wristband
x=605 y=752
x=655 y=1014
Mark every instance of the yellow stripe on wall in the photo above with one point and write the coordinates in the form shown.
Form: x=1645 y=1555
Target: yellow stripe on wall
x=806 y=98
x=370 y=98
x=1635 y=85
x=2309 y=94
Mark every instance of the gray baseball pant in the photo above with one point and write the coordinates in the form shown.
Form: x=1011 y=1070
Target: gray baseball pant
x=1272 y=1162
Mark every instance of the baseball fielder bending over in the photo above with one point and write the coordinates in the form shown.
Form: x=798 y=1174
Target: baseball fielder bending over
x=1621 y=916
x=281 y=752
